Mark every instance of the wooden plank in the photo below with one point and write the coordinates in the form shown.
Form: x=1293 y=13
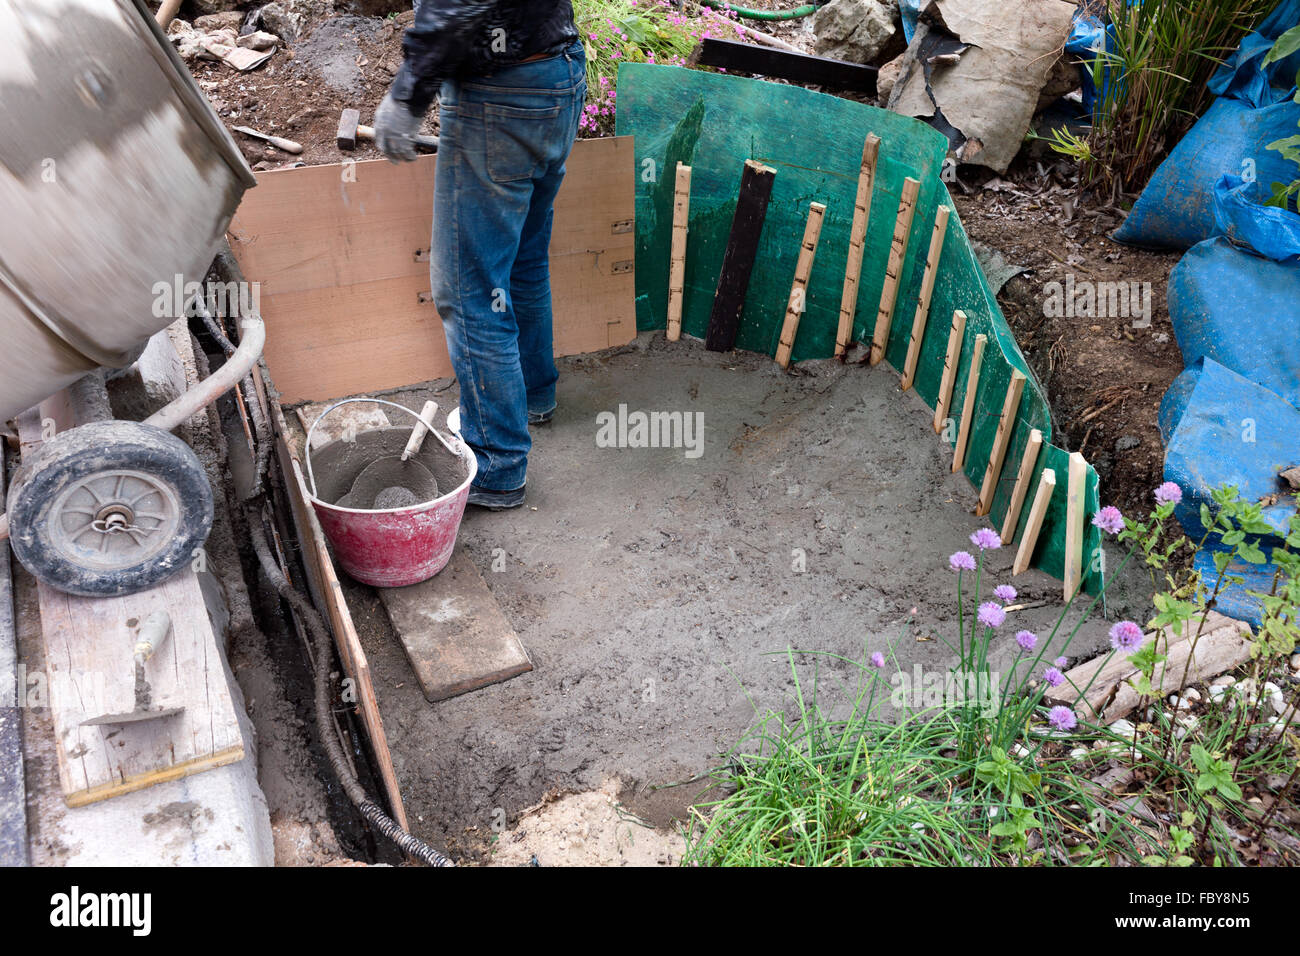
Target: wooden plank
x=738 y=260
x=894 y=268
x=1001 y=438
x=737 y=57
x=454 y=633
x=341 y=256
x=968 y=406
x=857 y=242
x=13 y=788
x=950 y=360
x=923 y=300
x=1077 y=485
x=677 y=267
x=797 y=300
x=1037 y=511
x=1223 y=645
x=1023 y=477
x=88 y=647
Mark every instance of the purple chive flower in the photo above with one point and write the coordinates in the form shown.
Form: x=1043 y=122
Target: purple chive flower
x=1005 y=593
x=1169 y=493
x=1109 y=519
x=986 y=539
x=962 y=561
x=991 y=614
x=1027 y=640
x=1053 y=677
x=1061 y=661
x=877 y=660
x=1125 y=636
x=1062 y=718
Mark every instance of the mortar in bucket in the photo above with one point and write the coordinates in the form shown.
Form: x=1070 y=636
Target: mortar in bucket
x=359 y=475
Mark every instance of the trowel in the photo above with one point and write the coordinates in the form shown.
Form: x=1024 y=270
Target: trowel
x=152 y=635
x=393 y=482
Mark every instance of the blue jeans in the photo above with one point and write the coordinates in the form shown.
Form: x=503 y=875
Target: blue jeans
x=502 y=146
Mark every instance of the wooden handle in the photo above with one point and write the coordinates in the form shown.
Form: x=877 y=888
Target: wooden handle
x=421 y=429
x=167 y=12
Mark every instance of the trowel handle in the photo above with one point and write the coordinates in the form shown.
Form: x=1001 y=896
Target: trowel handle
x=153 y=634
x=421 y=429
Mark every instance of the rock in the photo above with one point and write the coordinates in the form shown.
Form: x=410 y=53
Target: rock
x=887 y=77
x=853 y=30
x=226 y=20
x=1126 y=442
x=1078 y=753
x=287 y=18
x=1227 y=680
x=1295 y=662
x=1123 y=728
x=214 y=7
x=1063 y=79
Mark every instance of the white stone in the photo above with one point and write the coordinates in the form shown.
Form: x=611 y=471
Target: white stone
x=1295 y=662
x=853 y=30
x=1123 y=728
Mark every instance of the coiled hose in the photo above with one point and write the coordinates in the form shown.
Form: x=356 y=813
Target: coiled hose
x=409 y=844
x=746 y=13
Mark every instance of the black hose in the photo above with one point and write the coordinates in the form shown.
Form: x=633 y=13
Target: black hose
x=412 y=845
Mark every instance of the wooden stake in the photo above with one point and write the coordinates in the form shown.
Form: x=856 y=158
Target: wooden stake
x=998 y=453
x=799 y=289
x=927 y=290
x=968 y=407
x=950 y=359
x=1018 y=494
x=857 y=240
x=677 y=267
x=1037 y=511
x=894 y=268
x=738 y=259
x=1074 y=523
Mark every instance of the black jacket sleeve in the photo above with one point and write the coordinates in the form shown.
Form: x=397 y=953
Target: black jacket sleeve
x=435 y=46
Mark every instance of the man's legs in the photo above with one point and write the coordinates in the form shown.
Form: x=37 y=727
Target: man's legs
x=500 y=164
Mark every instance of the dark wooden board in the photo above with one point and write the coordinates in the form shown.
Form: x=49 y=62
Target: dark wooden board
x=738 y=261
x=736 y=57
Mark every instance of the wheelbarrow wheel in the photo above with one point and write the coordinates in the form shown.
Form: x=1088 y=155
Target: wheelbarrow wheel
x=109 y=508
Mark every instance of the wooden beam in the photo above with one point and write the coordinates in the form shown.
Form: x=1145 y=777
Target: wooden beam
x=968 y=406
x=1074 y=504
x=736 y=57
x=857 y=241
x=799 y=288
x=1023 y=477
x=13 y=806
x=894 y=268
x=950 y=360
x=923 y=301
x=677 y=263
x=1037 y=511
x=738 y=259
x=1001 y=438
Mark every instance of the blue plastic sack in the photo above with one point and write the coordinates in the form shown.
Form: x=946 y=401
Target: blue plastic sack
x=1241 y=309
x=1230 y=431
x=1244 y=78
x=1176 y=210
x=1088 y=36
x=1234 y=600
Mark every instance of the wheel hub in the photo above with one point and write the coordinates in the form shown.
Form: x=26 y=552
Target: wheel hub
x=115 y=519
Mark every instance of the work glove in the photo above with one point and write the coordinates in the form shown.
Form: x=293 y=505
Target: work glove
x=395 y=130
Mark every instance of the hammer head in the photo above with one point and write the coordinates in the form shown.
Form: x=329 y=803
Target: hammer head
x=348 y=124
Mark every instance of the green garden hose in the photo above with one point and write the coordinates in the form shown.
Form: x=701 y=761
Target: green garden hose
x=745 y=13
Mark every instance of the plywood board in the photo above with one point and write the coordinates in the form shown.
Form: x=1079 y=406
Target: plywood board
x=341 y=256
x=455 y=635
x=88 y=647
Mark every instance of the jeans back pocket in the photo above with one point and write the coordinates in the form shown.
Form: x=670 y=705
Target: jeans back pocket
x=522 y=141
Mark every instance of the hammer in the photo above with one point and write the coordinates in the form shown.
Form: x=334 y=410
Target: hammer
x=351 y=130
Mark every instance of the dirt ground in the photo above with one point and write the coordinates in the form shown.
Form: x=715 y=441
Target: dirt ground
x=657 y=594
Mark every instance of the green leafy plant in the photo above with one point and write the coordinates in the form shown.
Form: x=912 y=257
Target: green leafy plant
x=1285 y=195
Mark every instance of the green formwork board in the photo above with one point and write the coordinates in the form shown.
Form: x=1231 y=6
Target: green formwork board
x=713 y=123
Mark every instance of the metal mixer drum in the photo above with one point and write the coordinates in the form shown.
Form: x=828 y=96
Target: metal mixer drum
x=117 y=181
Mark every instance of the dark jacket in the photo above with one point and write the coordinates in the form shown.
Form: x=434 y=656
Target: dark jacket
x=464 y=38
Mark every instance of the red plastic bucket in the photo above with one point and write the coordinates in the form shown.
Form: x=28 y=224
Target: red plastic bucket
x=398 y=546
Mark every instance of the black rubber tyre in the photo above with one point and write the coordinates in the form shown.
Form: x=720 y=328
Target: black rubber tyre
x=109 y=508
